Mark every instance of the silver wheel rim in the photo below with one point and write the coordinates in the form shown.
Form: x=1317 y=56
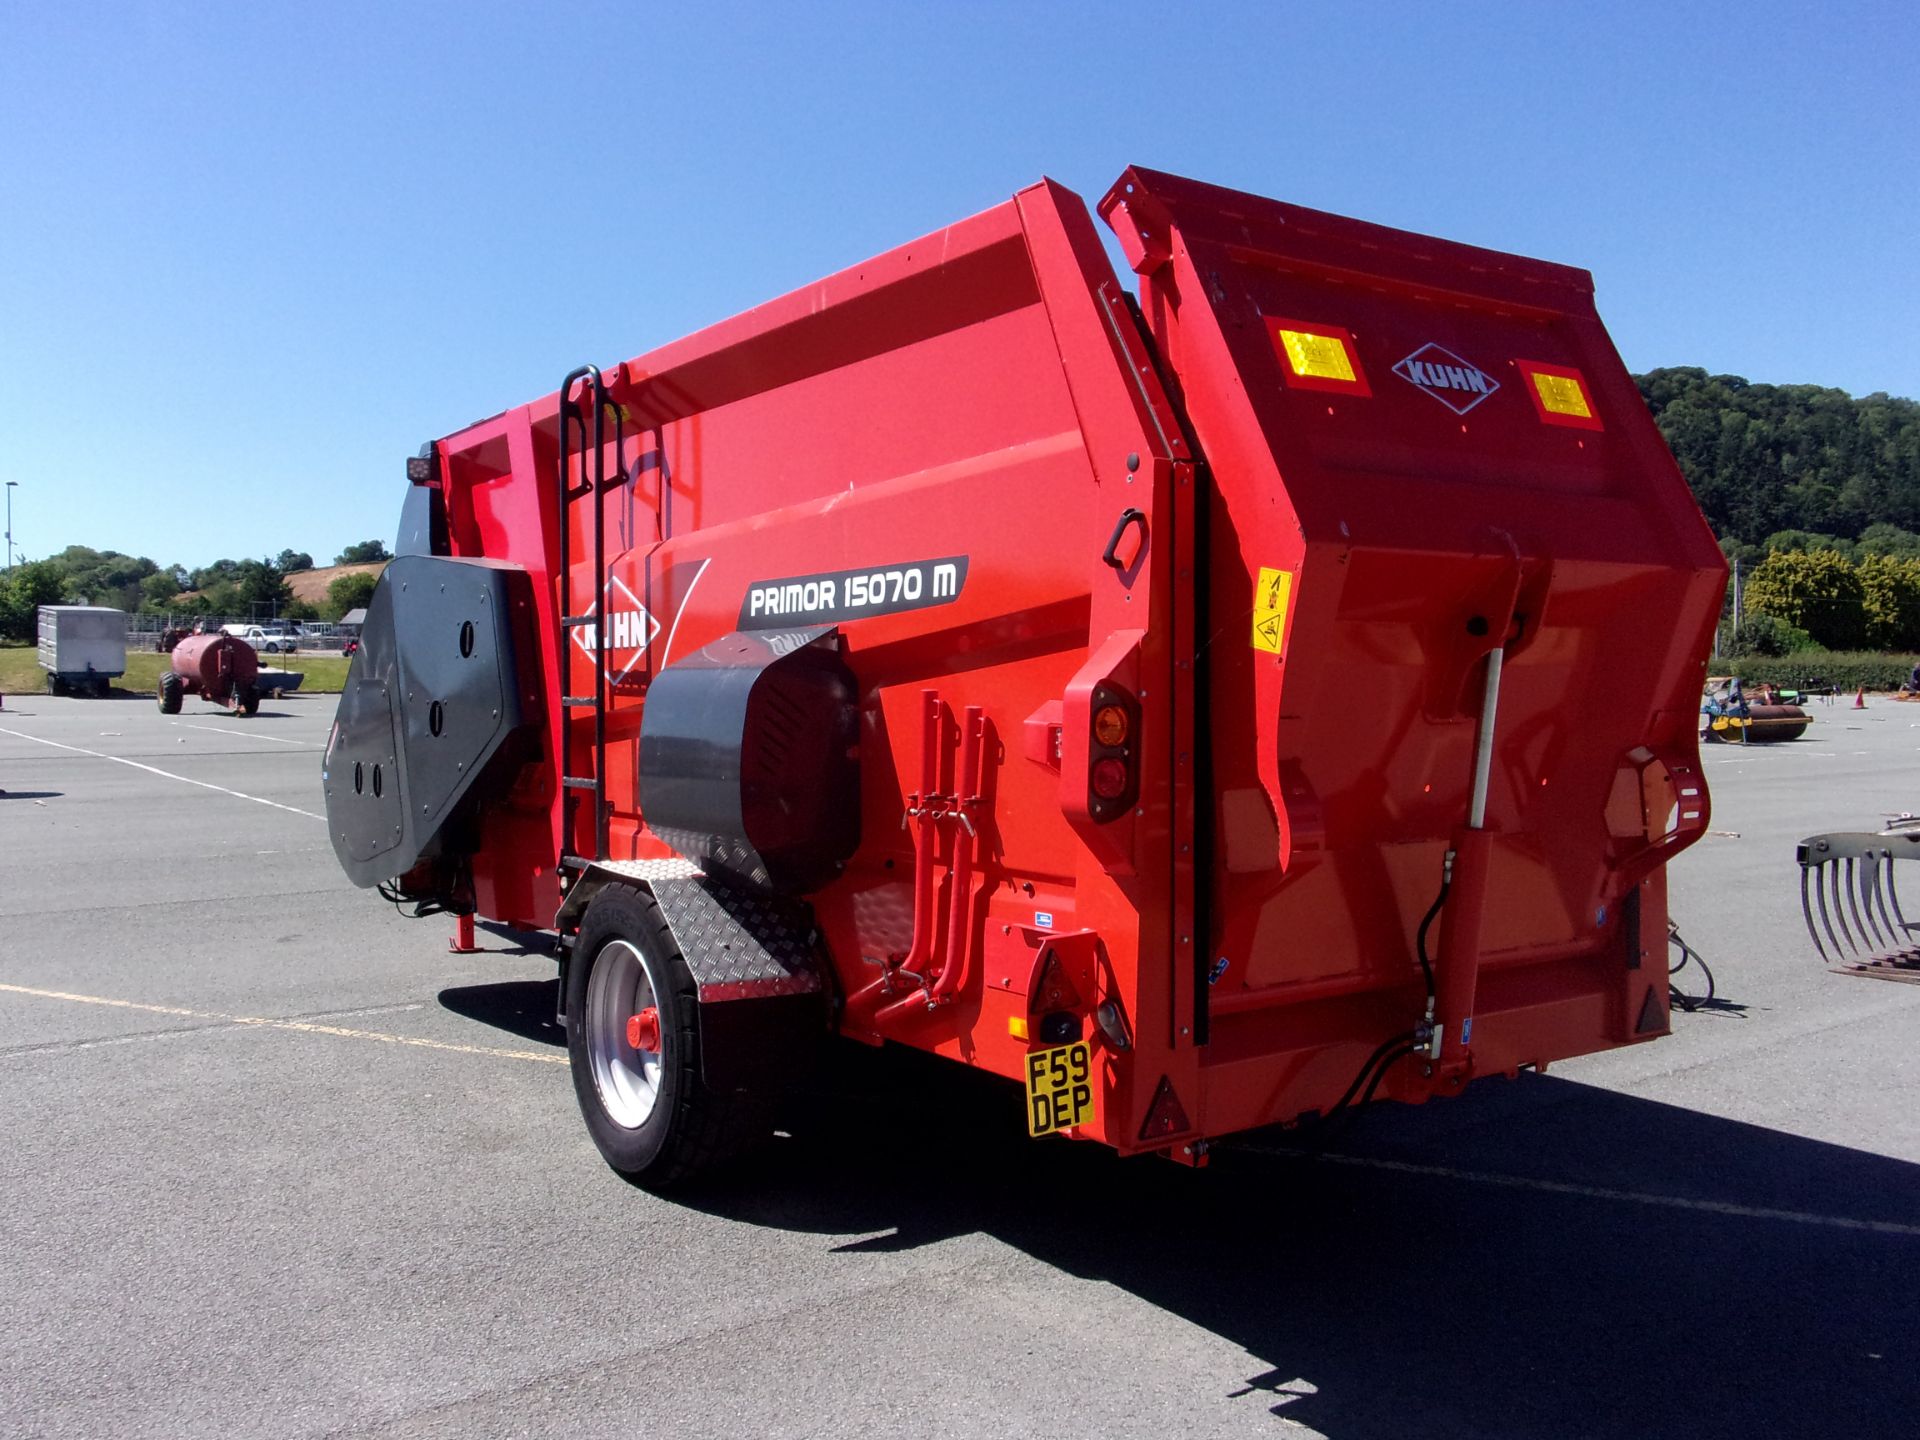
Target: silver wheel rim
x=628 y=1078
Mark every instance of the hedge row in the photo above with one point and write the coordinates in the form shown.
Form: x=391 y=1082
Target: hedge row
x=1844 y=669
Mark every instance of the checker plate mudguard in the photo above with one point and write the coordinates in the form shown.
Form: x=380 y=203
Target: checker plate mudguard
x=755 y=960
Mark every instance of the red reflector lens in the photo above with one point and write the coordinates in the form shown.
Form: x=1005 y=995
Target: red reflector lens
x=1109 y=779
x=1110 y=725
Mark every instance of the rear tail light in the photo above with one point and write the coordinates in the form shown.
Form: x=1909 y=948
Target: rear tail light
x=1113 y=753
x=1109 y=779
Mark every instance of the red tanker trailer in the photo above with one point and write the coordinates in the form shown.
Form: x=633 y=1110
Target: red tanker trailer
x=1171 y=702
x=219 y=668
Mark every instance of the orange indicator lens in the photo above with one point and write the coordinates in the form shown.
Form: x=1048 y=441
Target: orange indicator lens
x=1110 y=725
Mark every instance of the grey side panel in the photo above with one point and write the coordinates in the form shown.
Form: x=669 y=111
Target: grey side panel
x=423 y=522
x=436 y=693
x=747 y=758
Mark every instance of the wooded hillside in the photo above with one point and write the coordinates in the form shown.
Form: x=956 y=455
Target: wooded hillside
x=1769 y=458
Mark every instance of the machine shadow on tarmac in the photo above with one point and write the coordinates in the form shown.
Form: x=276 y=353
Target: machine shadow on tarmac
x=524 y=1008
x=1366 y=1295
x=1367 y=1287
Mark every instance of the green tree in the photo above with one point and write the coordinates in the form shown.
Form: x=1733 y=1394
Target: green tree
x=1890 y=597
x=102 y=577
x=1764 y=635
x=36 y=583
x=289 y=561
x=1768 y=458
x=1805 y=540
x=349 y=592
x=364 y=553
x=259 y=585
x=158 y=592
x=1884 y=539
x=214 y=574
x=1817 y=591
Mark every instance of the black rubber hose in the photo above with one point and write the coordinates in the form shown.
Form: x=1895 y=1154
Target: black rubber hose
x=1420 y=939
x=1404 y=1044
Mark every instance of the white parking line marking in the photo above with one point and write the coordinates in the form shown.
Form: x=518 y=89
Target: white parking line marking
x=1600 y=1192
x=247 y=734
x=304 y=1027
x=186 y=780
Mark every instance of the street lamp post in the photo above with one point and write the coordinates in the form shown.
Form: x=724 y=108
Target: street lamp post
x=12 y=485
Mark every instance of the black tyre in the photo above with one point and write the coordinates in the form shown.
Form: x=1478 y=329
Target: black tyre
x=169 y=693
x=55 y=685
x=247 y=702
x=648 y=1110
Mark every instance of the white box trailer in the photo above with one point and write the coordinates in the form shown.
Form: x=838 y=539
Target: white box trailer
x=82 y=648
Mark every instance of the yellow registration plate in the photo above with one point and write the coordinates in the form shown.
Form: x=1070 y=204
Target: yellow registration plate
x=1059 y=1088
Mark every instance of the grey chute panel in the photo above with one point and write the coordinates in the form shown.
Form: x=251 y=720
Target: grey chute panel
x=440 y=688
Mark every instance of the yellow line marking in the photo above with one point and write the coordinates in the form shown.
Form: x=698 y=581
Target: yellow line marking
x=152 y=770
x=300 y=1026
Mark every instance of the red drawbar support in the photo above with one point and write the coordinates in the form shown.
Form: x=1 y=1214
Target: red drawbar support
x=643 y=1030
x=461 y=941
x=1459 y=961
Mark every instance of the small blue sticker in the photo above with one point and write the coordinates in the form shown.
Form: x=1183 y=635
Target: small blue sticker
x=1044 y=919
x=1466 y=1031
x=1219 y=969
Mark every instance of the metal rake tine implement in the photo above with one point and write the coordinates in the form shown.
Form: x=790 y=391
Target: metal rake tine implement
x=1849 y=899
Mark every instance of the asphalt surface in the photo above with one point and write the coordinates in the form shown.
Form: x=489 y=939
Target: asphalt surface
x=274 y=1162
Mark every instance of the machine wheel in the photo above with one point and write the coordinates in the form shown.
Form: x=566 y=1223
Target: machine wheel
x=247 y=701
x=168 y=695
x=55 y=685
x=648 y=1110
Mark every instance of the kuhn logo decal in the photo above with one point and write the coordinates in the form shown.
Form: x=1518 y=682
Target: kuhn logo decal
x=852 y=594
x=1457 y=384
x=620 y=633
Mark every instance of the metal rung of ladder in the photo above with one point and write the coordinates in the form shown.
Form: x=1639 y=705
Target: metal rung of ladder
x=594 y=482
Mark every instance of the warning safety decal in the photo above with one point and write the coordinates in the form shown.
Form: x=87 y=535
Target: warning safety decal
x=1270 y=597
x=852 y=594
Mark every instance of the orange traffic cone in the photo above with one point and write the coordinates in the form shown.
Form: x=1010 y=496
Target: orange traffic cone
x=1860 y=698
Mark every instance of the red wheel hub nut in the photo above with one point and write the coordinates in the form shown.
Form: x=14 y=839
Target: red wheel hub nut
x=643 y=1030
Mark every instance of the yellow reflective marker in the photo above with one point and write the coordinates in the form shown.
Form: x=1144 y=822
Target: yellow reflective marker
x=1560 y=395
x=1320 y=356
x=1270 y=597
x=1017 y=1026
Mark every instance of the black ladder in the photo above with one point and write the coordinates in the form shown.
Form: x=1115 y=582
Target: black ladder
x=593 y=481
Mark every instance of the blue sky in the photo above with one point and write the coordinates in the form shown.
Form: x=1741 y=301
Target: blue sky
x=252 y=255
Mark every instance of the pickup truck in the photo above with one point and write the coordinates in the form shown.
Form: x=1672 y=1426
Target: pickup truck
x=267 y=639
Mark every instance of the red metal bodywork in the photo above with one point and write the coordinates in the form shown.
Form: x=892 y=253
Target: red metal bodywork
x=1118 y=490
x=215 y=666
